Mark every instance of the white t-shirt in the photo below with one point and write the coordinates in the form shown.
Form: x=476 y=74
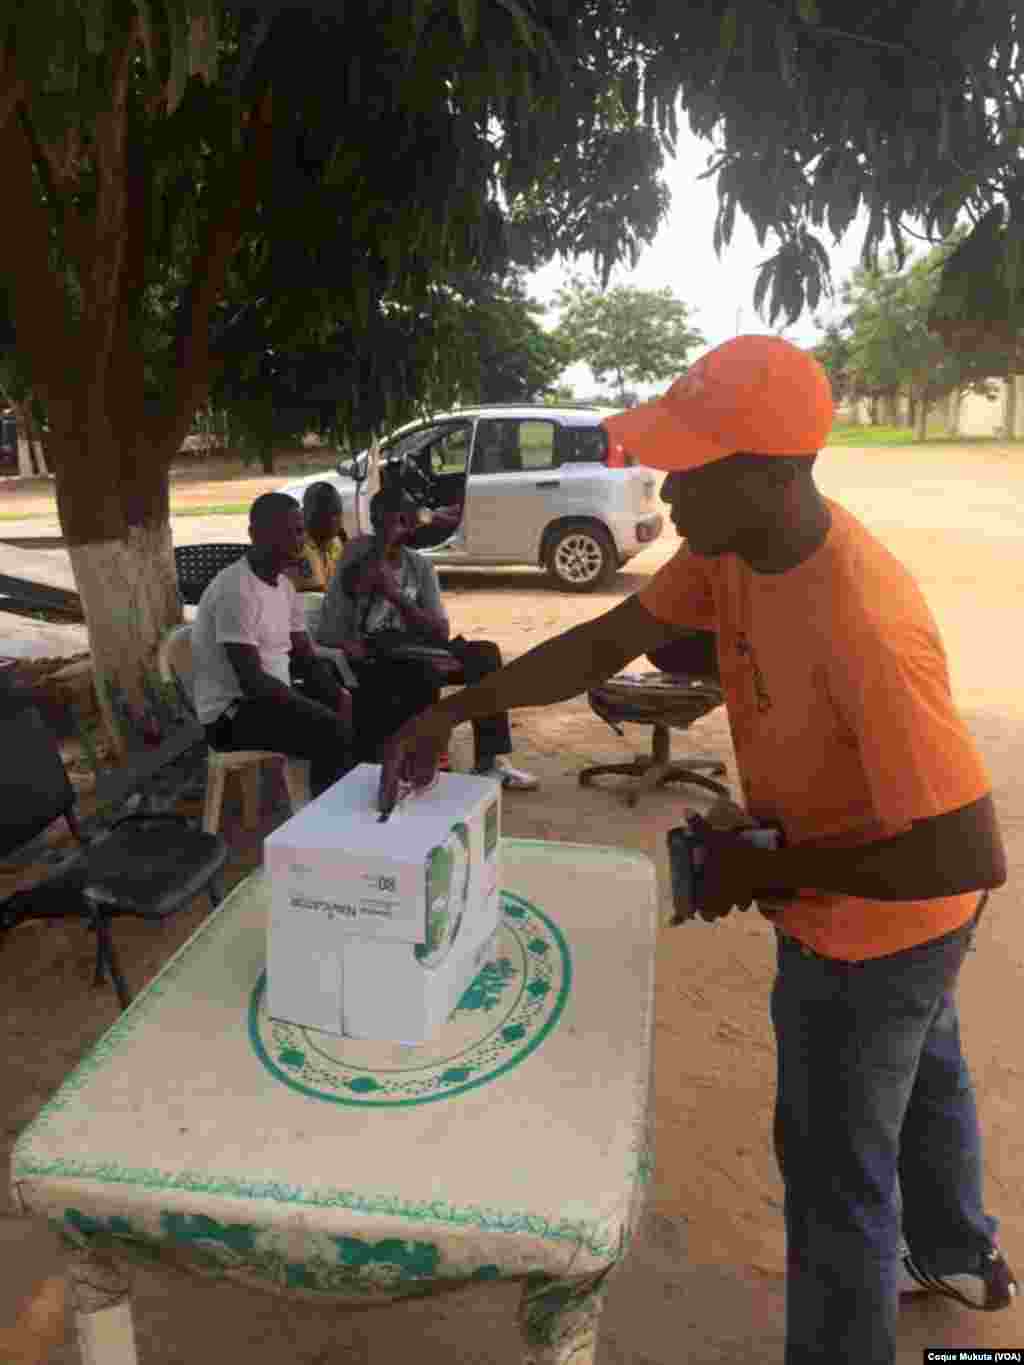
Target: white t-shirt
x=239 y=608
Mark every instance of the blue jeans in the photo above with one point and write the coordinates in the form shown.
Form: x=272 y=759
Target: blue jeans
x=875 y=1124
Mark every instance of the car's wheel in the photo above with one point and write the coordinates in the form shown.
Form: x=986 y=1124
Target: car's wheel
x=581 y=557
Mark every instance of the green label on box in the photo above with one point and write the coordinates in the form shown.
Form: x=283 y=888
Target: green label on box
x=447 y=891
x=490 y=829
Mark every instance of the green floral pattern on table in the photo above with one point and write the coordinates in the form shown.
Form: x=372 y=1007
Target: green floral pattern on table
x=503 y=1016
x=339 y=1266
x=345 y=1269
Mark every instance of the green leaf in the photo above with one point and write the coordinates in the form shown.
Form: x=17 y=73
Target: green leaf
x=145 y=12
x=204 y=42
x=808 y=11
x=178 y=37
x=524 y=22
x=94 y=17
x=468 y=17
x=727 y=31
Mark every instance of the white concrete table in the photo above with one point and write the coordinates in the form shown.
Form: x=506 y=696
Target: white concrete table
x=200 y=1133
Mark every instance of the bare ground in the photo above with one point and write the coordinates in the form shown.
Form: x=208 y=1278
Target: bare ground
x=705 y=1284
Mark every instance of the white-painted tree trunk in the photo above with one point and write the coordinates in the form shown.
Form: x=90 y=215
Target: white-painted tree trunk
x=129 y=592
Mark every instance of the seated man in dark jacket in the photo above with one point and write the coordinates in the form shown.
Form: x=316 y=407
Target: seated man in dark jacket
x=384 y=598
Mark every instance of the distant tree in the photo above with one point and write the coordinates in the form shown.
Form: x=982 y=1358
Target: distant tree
x=475 y=339
x=833 y=353
x=561 y=393
x=507 y=355
x=886 y=345
x=642 y=336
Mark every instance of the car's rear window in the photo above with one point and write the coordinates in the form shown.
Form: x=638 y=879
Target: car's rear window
x=584 y=445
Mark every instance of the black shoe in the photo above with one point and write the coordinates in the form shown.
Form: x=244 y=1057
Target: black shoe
x=994 y=1288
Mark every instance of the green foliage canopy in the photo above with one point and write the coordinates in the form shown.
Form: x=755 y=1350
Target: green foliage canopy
x=884 y=344
x=640 y=336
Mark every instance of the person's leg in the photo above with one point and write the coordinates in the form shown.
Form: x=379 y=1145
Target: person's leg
x=491 y=734
x=294 y=726
x=319 y=680
x=389 y=692
x=849 y=1039
x=945 y=1225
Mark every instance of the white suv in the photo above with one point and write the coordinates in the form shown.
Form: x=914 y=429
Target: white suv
x=538 y=485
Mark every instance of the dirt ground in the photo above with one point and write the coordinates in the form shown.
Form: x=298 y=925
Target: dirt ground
x=706 y=1282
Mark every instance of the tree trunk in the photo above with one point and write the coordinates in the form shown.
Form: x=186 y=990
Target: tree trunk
x=26 y=465
x=921 y=415
x=873 y=411
x=115 y=515
x=1010 y=406
x=29 y=460
x=267 y=459
x=36 y=447
x=953 y=424
x=129 y=591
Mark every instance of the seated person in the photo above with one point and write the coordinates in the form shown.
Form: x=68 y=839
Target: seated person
x=385 y=594
x=325 y=538
x=248 y=624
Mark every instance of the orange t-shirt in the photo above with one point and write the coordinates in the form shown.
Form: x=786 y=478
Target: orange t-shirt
x=841 y=714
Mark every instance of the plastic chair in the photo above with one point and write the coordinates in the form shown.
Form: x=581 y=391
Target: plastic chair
x=198 y=565
x=684 y=688
x=144 y=865
x=175 y=664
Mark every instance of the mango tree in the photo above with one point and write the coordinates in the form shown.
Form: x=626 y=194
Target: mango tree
x=163 y=158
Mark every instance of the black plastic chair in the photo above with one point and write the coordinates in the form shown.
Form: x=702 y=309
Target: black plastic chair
x=144 y=865
x=685 y=687
x=198 y=565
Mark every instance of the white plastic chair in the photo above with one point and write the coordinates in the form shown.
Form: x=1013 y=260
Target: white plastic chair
x=175 y=662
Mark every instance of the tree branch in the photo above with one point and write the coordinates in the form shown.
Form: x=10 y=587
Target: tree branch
x=58 y=185
x=238 y=195
x=102 y=287
x=10 y=97
x=127 y=363
x=39 y=306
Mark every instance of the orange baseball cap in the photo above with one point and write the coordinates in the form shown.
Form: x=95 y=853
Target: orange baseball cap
x=757 y=394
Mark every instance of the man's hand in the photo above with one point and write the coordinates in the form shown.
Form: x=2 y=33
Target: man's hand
x=343 y=706
x=414 y=749
x=728 y=879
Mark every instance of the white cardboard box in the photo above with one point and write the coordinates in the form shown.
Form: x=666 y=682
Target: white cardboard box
x=376 y=928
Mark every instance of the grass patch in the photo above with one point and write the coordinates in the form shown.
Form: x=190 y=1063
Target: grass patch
x=870 y=436
x=215 y=509
x=847 y=435
x=29 y=516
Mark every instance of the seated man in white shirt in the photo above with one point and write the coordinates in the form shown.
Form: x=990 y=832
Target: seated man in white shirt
x=249 y=625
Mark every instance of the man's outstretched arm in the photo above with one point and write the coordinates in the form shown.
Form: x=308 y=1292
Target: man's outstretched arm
x=553 y=671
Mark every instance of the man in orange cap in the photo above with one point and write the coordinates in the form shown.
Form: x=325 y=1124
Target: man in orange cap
x=845 y=734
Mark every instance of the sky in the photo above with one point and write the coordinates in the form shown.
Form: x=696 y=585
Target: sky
x=719 y=291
